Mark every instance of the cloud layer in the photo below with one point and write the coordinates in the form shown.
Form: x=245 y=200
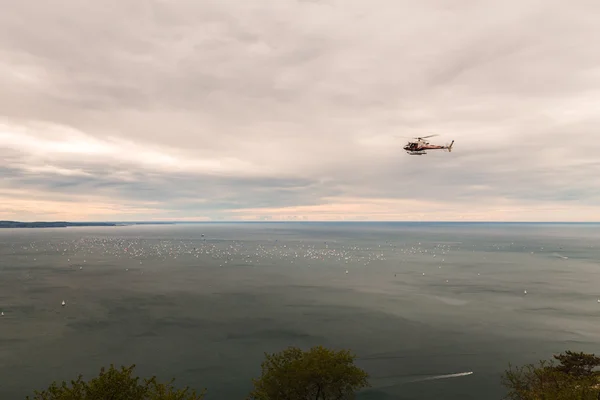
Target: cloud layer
x=136 y=110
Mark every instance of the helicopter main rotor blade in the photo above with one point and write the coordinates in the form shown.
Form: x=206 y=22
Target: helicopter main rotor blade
x=418 y=137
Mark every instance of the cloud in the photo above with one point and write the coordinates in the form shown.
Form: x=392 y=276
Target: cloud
x=255 y=109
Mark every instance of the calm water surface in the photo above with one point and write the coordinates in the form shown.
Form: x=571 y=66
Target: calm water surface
x=416 y=302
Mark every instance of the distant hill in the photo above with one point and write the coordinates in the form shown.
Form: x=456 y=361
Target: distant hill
x=64 y=224
x=59 y=224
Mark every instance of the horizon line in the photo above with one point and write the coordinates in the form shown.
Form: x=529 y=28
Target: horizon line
x=298 y=221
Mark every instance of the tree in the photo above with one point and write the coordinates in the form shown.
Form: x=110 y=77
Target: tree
x=546 y=381
x=114 y=384
x=577 y=364
x=316 y=374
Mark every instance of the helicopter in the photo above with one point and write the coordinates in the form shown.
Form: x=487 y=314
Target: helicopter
x=419 y=147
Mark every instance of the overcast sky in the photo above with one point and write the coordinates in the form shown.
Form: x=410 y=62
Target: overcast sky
x=298 y=109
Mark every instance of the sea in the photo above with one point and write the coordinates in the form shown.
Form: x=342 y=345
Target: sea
x=431 y=310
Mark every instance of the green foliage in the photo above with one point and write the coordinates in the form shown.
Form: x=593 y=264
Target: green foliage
x=324 y=374
x=577 y=364
x=317 y=374
x=114 y=384
x=546 y=381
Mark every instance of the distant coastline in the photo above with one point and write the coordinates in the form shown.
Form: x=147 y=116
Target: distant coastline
x=64 y=224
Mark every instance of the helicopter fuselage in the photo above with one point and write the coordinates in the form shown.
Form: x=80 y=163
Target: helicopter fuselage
x=418 y=148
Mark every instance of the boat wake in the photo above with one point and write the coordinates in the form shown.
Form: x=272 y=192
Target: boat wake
x=447 y=376
x=393 y=382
